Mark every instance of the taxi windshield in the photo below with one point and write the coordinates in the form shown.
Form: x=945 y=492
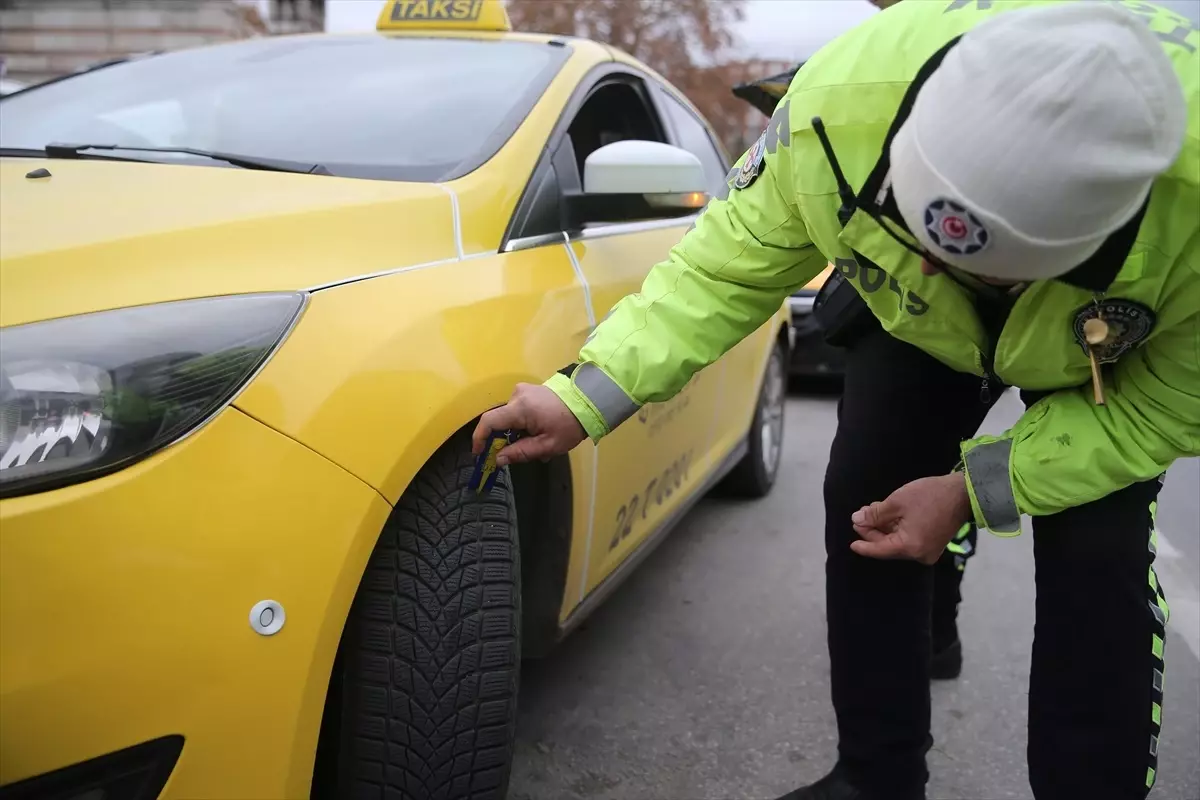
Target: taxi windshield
x=398 y=108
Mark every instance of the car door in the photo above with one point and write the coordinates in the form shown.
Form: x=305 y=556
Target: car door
x=651 y=464
x=645 y=468
x=741 y=369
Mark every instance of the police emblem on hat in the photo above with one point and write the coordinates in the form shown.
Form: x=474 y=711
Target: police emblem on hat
x=955 y=229
x=753 y=164
x=1128 y=321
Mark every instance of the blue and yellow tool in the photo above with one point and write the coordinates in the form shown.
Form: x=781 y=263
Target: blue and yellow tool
x=483 y=478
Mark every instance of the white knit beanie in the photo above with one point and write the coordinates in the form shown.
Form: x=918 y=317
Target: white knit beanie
x=1038 y=136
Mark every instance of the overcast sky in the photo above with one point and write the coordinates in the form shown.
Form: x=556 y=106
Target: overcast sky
x=784 y=29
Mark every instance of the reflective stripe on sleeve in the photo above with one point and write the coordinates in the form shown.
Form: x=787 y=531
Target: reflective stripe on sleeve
x=580 y=406
x=609 y=399
x=987 y=471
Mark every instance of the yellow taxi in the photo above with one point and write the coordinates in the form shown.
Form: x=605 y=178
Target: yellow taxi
x=253 y=298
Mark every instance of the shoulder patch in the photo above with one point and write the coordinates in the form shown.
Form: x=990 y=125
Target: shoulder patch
x=752 y=167
x=1129 y=323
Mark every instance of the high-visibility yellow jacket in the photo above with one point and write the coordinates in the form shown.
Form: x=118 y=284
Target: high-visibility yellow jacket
x=754 y=246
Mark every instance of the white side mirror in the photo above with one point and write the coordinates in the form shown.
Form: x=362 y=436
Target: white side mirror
x=637 y=180
x=641 y=167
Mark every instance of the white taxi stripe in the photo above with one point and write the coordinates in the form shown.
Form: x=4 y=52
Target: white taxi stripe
x=591 y=519
x=380 y=273
x=456 y=222
x=583 y=282
x=457 y=217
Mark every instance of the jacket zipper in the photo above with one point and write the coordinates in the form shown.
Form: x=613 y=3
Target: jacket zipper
x=987 y=353
x=993 y=327
x=994 y=319
x=987 y=359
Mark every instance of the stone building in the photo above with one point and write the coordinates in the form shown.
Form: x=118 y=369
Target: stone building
x=294 y=16
x=42 y=39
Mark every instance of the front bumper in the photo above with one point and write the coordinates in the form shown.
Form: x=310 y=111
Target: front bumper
x=811 y=355
x=125 y=603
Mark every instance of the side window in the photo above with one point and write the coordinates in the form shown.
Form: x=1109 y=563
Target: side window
x=616 y=110
x=693 y=137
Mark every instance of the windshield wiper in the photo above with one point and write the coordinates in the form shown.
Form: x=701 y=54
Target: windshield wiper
x=56 y=150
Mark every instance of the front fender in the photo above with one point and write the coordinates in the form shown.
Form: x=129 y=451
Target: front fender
x=380 y=372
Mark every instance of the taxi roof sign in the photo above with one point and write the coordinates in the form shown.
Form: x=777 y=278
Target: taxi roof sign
x=456 y=15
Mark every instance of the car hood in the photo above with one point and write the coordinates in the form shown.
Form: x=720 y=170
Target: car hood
x=96 y=235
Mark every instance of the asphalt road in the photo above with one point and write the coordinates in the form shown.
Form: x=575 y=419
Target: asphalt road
x=705 y=675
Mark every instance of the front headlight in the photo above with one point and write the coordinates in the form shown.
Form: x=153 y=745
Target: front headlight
x=84 y=396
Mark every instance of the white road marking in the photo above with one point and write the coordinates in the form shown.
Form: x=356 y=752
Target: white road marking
x=1182 y=596
x=591 y=523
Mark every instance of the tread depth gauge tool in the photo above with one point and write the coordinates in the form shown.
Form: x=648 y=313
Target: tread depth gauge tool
x=483 y=477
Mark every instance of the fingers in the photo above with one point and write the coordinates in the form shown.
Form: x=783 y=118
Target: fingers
x=498 y=419
x=540 y=416
x=880 y=546
x=870 y=534
x=881 y=516
x=898 y=544
x=876 y=543
x=533 y=448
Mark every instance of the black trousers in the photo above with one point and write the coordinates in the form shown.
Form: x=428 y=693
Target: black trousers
x=1096 y=675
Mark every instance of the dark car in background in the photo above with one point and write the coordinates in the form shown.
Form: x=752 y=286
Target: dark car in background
x=811 y=355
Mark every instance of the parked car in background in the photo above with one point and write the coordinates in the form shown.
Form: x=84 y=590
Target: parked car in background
x=253 y=300
x=811 y=355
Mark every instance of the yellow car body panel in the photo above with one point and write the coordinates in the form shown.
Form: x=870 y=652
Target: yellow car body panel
x=124 y=606
x=650 y=466
x=75 y=242
x=486 y=197
x=381 y=372
x=183 y=231
x=124 y=600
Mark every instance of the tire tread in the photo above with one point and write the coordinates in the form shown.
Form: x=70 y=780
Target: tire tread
x=433 y=647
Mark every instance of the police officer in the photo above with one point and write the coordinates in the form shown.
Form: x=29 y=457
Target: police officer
x=1020 y=207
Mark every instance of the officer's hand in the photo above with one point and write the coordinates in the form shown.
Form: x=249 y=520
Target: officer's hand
x=916 y=521
x=551 y=427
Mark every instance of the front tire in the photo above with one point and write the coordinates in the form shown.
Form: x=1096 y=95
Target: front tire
x=432 y=645
x=754 y=476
